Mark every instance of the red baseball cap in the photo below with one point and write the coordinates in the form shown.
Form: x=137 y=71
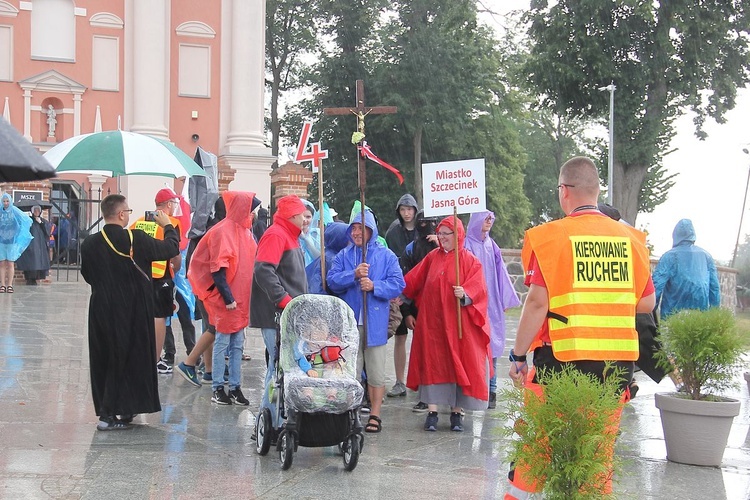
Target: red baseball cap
x=165 y=195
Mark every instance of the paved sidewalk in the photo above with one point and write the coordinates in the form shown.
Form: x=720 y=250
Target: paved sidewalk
x=195 y=449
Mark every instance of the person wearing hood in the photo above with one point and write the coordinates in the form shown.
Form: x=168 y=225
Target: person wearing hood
x=686 y=277
x=278 y=277
x=381 y=279
x=15 y=236
x=446 y=369
x=500 y=291
x=401 y=232
x=310 y=245
x=221 y=275
x=336 y=239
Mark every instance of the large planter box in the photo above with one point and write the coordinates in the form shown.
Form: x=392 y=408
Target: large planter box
x=696 y=432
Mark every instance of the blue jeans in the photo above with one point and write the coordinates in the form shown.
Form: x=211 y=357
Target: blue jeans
x=493 y=379
x=269 y=339
x=232 y=343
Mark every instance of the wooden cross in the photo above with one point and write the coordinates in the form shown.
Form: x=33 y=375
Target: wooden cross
x=360 y=112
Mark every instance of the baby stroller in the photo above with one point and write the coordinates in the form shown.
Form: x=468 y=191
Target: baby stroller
x=319 y=407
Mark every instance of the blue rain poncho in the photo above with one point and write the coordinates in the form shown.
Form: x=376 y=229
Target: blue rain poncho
x=15 y=230
x=686 y=276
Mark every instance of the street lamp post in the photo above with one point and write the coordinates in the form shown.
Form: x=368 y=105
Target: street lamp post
x=744 y=200
x=610 y=160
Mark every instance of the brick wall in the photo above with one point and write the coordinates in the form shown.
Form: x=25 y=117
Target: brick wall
x=290 y=178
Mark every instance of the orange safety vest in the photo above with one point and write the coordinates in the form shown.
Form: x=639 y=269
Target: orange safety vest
x=158 y=267
x=595 y=270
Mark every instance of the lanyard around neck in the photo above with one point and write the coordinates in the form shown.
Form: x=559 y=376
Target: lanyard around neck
x=128 y=255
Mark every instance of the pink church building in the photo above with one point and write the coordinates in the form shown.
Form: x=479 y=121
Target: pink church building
x=188 y=71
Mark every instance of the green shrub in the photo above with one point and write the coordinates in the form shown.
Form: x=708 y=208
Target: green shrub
x=568 y=437
x=704 y=347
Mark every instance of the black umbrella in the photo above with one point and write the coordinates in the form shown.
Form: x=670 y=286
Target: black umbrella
x=19 y=160
x=26 y=205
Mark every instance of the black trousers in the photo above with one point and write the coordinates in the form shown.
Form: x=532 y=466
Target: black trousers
x=545 y=360
x=188 y=330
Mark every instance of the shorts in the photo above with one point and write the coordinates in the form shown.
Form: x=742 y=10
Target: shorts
x=207 y=327
x=396 y=324
x=163 y=297
x=373 y=359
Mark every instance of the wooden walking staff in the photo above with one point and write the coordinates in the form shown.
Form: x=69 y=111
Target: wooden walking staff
x=458 y=274
x=361 y=111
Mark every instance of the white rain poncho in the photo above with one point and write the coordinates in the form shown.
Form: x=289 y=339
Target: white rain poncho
x=319 y=333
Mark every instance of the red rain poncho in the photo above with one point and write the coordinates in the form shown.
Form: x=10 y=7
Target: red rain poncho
x=438 y=356
x=229 y=244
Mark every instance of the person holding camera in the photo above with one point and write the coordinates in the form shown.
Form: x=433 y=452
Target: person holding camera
x=162 y=271
x=115 y=262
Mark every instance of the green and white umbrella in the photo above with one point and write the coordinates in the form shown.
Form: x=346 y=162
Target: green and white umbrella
x=116 y=153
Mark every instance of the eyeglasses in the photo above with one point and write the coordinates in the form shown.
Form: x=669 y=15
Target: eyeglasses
x=566 y=185
x=128 y=210
x=445 y=234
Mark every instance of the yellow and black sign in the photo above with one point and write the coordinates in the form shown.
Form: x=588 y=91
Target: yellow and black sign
x=602 y=262
x=147 y=227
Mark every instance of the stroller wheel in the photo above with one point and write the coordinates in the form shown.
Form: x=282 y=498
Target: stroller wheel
x=350 y=447
x=263 y=432
x=286 y=449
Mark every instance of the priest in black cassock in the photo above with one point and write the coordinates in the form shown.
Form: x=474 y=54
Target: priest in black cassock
x=116 y=262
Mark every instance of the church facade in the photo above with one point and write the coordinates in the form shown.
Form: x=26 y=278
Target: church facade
x=188 y=71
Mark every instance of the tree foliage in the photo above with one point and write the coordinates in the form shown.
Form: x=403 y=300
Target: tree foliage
x=566 y=438
x=662 y=57
x=438 y=65
x=290 y=36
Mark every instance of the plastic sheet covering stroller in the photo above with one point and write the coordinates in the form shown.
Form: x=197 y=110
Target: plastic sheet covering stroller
x=316 y=394
x=319 y=333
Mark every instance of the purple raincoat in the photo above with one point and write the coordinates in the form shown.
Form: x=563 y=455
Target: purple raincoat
x=500 y=292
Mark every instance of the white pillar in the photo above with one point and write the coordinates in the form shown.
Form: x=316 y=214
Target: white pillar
x=27 y=114
x=244 y=150
x=247 y=77
x=97 y=182
x=76 y=114
x=150 y=83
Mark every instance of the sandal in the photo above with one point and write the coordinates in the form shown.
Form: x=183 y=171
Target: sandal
x=9 y=289
x=2 y=289
x=374 y=425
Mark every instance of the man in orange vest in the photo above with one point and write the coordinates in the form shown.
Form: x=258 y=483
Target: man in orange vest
x=162 y=271
x=587 y=275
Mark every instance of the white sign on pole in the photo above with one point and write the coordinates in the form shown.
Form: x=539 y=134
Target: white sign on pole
x=451 y=184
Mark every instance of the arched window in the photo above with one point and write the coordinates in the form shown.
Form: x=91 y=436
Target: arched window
x=53 y=30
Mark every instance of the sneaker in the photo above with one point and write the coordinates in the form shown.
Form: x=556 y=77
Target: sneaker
x=220 y=397
x=492 y=403
x=112 y=424
x=365 y=408
x=238 y=398
x=398 y=390
x=456 y=422
x=419 y=407
x=207 y=377
x=430 y=423
x=163 y=367
x=188 y=373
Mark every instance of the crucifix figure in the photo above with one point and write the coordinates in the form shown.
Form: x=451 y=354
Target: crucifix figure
x=361 y=111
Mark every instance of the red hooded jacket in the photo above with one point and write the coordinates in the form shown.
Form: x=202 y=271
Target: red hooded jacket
x=229 y=244
x=438 y=356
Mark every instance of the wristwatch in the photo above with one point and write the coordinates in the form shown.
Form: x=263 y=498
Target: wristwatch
x=513 y=358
